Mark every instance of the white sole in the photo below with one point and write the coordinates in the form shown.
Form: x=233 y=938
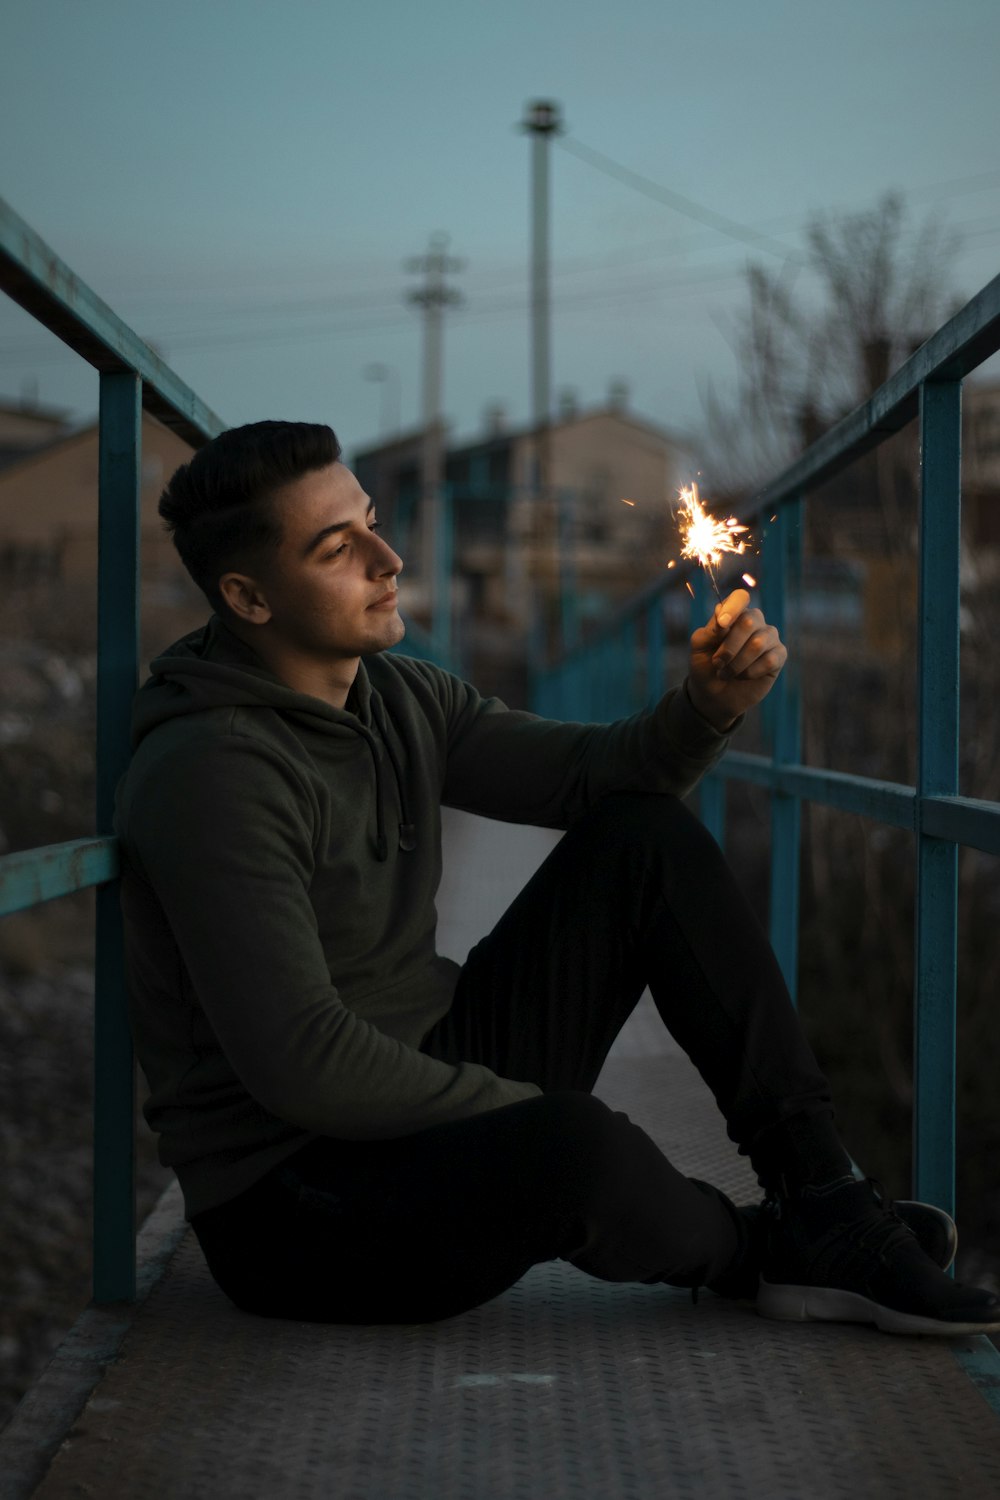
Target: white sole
x=822 y=1304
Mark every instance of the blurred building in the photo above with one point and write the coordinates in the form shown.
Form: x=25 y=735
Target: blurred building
x=25 y=426
x=48 y=534
x=530 y=560
x=48 y=499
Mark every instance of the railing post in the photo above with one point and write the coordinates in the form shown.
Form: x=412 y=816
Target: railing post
x=443 y=543
x=711 y=789
x=627 y=671
x=655 y=650
x=117 y=674
x=569 y=614
x=783 y=581
x=937 y=775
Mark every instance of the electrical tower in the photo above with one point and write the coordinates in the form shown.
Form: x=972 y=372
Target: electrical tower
x=434 y=296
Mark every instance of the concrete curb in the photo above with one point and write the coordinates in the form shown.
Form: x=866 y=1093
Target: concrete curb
x=43 y=1418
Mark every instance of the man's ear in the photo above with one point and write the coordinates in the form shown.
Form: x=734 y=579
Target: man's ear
x=245 y=598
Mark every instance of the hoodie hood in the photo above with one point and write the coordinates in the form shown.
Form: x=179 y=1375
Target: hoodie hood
x=213 y=668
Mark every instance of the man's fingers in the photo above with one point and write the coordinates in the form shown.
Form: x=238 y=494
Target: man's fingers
x=762 y=656
x=731 y=607
x=737 y=636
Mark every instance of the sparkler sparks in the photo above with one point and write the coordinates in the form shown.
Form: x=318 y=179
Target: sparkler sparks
x=705 y=538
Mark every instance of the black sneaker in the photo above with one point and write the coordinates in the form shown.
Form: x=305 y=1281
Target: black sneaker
x=840 y=1254
x=934 y=1229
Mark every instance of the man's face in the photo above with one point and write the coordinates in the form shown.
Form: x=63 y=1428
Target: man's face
x=330 y=586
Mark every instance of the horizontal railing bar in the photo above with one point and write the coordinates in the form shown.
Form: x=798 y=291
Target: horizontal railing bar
x=624 y=615
x=884 y=801
x=34 y=875
x=963 y=820
x=34 y=276
x=961 y=344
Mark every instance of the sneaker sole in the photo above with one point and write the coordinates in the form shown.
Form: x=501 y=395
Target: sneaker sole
x=814 y=1304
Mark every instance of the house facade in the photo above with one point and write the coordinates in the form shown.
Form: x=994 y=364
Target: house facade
x=532 y=560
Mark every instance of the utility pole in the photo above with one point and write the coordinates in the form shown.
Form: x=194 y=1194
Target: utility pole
x=434 y=296
x=541 y=121
x=387 y=376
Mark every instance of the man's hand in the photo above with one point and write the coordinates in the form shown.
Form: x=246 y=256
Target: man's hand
x=734 y=661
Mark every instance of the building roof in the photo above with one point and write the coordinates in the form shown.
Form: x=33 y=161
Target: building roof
x=406 y=443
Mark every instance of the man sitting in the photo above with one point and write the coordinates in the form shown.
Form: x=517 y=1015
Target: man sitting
x=364 y=1131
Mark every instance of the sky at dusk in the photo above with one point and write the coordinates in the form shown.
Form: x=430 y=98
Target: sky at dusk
x=243 y=181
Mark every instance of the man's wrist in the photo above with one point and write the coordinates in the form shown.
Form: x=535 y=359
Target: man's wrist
x=706 y=710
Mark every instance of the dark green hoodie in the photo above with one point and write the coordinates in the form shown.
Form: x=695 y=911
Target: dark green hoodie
x=281 y=859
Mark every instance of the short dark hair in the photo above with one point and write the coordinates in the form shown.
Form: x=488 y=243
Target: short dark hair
x=217 y=507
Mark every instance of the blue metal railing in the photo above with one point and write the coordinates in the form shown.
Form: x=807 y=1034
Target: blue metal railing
x=625 y=667
x=132 y=378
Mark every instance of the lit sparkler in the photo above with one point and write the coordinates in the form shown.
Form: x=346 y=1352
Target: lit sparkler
x=705 y=538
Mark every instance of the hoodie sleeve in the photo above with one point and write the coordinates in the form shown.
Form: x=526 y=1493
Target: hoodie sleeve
x=237 y=904
x=507 y=764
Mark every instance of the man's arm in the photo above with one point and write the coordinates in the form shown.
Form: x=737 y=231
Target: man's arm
x=512 y=765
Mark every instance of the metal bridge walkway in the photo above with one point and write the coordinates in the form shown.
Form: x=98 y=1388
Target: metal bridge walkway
x=564 y=1386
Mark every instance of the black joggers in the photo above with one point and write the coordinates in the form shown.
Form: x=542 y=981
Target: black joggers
x=429 y=1225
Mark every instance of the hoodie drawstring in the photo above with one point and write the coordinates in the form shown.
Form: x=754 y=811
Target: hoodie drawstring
x=407 y=829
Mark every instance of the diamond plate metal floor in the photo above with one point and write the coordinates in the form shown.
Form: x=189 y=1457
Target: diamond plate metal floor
x=563 y=1387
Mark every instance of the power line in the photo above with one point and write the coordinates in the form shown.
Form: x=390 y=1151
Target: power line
x=564 y=302
x=381 y=309
x=677 y=201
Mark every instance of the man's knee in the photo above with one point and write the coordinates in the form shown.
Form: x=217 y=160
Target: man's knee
x=636 y=820
x=583 y=1136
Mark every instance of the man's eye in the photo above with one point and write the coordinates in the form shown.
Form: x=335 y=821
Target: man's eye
x=375 y=526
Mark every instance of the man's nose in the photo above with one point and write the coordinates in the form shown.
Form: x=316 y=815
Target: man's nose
x=385 y=560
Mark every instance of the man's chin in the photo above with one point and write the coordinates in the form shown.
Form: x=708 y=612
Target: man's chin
x=391 y=634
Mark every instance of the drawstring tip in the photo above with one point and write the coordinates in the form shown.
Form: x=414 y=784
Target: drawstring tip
x=407 y=837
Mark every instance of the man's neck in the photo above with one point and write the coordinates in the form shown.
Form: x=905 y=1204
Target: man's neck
x=330 y=680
